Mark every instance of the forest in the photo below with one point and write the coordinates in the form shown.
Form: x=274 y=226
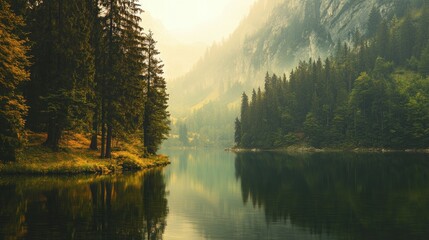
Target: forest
x=82 y=66
x=372 y=92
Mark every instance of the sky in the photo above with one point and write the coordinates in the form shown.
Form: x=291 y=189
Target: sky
x=203 y=21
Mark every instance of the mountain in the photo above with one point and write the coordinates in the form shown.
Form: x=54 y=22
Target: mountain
x=273 y=38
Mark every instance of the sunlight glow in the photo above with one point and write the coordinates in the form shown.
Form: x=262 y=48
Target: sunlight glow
x=184 y=15
x=192 y=16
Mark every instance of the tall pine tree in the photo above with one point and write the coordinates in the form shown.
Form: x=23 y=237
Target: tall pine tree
x=156 y=117
x=62 y=75
x=121 y=86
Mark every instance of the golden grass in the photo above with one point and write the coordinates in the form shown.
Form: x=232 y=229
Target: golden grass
x=74 y=157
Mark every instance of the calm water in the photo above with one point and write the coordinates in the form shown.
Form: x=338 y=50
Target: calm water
x=219 y=195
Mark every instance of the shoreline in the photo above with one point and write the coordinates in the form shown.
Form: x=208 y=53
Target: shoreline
x=76 y=166
x=74 y=158
x=306 y=149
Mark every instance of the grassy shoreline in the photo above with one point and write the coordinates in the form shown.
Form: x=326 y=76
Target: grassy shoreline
x=75 y=158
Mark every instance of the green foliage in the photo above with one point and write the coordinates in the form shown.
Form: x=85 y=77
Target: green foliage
x=94 y=67
x=366 y=96
x=156 y=117
x=237 y=131
x=211 y=125
x=313 y=130
x=424 y=61
x=63 y=71
x=13 y=64
x=374 y=22
x=121 y=84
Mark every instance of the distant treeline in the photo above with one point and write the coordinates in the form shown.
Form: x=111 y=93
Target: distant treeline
x=374 y=92
x=81 y=65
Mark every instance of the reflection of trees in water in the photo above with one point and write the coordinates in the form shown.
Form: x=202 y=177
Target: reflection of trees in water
x=357 y=196
x=134 y=207
x=154 y=204
x=130 y=211
x=11 y=217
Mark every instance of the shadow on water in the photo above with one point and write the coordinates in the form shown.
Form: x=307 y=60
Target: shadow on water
x=125 y=207
x=347 y=196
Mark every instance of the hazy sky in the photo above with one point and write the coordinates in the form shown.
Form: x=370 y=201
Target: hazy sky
x=198 y=20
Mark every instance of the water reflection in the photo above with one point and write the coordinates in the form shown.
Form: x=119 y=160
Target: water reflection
x=347 y=196
x=205 y=201
x=214 y=194
x=128 y=207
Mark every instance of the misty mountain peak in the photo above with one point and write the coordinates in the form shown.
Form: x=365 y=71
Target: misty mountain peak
x=274 y=37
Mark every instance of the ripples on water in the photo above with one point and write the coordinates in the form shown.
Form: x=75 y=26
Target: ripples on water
x=219 y=195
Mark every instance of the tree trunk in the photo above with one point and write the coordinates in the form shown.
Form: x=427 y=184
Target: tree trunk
x=145 y=129
x=54 y=129
x=7 y=149
x=103 y=128
x=109 y=142
x=147 y=112
x=54 y=136
x=94 y=142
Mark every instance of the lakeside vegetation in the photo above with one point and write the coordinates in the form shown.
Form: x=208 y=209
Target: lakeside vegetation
x=74 y=157
x=372 y=93
x=85 y=70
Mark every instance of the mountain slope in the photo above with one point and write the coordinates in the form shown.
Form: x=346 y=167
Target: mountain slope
x=274 y=37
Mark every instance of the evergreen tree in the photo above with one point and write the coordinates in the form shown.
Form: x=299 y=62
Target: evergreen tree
x=237 y=134
x=358 y=97
x=422 y=35
x=94 y=68
x=245 y=124
x=407 y=39
x=122 y=81
x=424 y=61
x=13 y=64
x=62 y=75
x=156 y=117
x=98 y=46
x=374 y=22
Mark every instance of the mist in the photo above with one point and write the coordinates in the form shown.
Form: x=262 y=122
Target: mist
x=184 y=30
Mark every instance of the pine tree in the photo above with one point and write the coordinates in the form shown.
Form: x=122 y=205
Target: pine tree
x=13 y=64
x=237 y=134
x=62 y=75
x=424 y=61
x=98 y=45
x=354 y=98
x=156 y=117
x=374 y=22
x=245 y=123
x=122 y=83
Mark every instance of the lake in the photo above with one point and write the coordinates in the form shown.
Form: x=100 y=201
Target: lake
x=212 y=194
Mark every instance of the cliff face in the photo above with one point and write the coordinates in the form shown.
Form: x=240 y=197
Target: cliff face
x=274 y=37
x=302 y=29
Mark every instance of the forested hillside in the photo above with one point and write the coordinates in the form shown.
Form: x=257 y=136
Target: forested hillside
x=274 y=37
x=81 y=66
x=373 y=92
